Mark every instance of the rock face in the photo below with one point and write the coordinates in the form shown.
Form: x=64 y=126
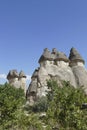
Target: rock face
x=78 y=68
x=56 y=65
x=17 y=79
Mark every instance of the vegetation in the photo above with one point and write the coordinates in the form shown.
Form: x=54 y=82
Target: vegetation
x=41 y=105
x=62 y=105
x=65 y=107
x=12 y=113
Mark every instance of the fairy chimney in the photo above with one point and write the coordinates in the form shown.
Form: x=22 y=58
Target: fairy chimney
x=22 y=80
x=17 y=79
x=75 y=58
x=13 y=78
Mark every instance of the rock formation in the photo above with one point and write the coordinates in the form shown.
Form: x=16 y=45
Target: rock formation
x=17 y=79
x=78 y=68
x=56 y=65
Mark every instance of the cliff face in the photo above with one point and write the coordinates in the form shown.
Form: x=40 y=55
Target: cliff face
x=55 y=65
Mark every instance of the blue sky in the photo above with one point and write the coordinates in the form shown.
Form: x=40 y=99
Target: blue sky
x=29 y=26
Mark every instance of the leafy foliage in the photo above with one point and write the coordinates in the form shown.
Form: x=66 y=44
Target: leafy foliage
x=62 y=105
x=64 y=111
x=10 y=101
x=40 y=105
x=12 y=113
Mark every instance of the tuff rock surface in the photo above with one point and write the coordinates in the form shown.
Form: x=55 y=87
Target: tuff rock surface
x=56 y=65
x=17 y=79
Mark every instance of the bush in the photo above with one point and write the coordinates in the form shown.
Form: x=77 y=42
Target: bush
x=40 y=105
x=12 y=113
x=64 y=110
x=11 y=100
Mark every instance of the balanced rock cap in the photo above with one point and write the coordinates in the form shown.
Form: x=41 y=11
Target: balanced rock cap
x=61 y=57
x=75 y=56
x=54 y=51
x=22 y=74
x=45 y=56
x=35 y=73
x=12 y=74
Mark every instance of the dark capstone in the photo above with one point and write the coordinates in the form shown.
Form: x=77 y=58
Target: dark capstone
x=35 y=74
x=55 y=55
x=75 y=56
x=54 y=51
x=46 y=56
x=61 y=57
x=21 y=74
x=12 y=74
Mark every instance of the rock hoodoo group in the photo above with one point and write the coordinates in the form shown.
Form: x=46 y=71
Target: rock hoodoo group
x=53 y=65
x=17 y=79
x=56 y=65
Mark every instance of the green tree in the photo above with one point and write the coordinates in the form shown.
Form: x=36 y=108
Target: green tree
x=64 y=111
x=12 y=113
x=29 y=122
x=11 y=100
x=40 y=105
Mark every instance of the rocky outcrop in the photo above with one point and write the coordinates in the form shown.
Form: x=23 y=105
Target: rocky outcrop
x=78 y=68
x=56 y=65
x=75 y=58
x=17 y=79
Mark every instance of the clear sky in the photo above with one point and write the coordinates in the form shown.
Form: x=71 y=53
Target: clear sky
x=29 y=26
